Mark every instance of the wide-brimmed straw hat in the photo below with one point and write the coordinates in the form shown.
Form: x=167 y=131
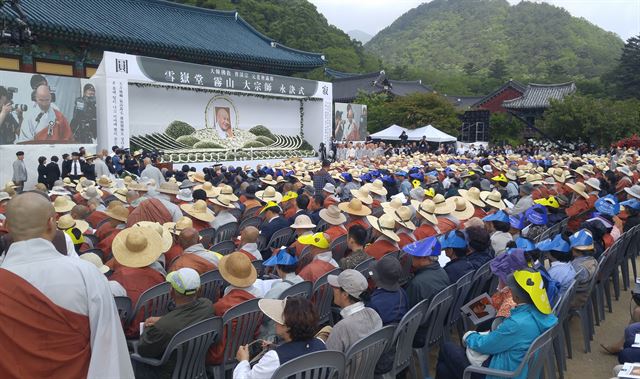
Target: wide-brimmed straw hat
x=91 y=193
x=137 y=247
x=273 y=308
x=633 y=191
x=117 y=212
x=472 y=195
x=463 y=209
x=198 y=210
x=394 y=204
x=269 y=194
x=593 y=183
x=494 y=199
x=443 y=206
x=66 y=222
x=303 y=222
x=377 y=187
x=386 y=225
x=63 y=204
x=196 y=176
x=223 y=201
x=176 y=228
x=427 y=210
x=104 y=182
x=228 y=192
x=579 y=188
x=363 y=195
x=332 y=215
x=355 y=207
x=624 y=170
x=167 y=239
x=96 y=261
x=268 y=179
x=210 y=190
x=236 y=268
x=403 y=216
x=170 y=188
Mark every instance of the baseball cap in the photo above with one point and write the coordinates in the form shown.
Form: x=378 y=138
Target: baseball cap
x=185 y=281
x=498 y=216
x=428 y=247
x=351 y=281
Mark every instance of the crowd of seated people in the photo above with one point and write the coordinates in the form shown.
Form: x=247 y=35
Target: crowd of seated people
x=422 y=222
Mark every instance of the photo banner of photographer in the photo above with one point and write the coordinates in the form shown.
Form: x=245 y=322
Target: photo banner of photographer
x=46 y=109
x=350 y=122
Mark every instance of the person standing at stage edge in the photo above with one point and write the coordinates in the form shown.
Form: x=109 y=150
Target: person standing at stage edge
x=57 y=313
x=19 y=171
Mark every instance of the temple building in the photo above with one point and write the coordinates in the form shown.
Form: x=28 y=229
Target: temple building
x=69 y=37
x=347 y=85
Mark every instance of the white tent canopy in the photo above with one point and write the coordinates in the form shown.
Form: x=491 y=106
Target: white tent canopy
x=432 y=134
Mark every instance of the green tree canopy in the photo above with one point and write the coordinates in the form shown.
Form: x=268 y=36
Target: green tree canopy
x=626 y=76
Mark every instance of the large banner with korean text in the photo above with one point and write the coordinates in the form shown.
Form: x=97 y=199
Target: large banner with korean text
x=198 y=112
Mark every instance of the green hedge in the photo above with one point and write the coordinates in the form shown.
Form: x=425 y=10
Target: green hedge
x=253 y=144
x=179 y=128
x=261 y=130
x=265 y=140
x=207 y=145
x=187 y=140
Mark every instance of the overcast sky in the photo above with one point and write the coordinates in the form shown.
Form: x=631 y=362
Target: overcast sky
x=619 y=16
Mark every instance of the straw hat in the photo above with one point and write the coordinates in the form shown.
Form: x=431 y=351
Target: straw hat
x=176 y=228
x=268 y=179
x=579 y=188
x=593 y=183
x=167 y=239
x=91 y=192
x=333 y=216
x=363 y=195
x=63 y=204
x=4 y=196
x=493 y=198
x=274 y=309
x=269 y=194
x=137 y=247
x=633 y=191
x=105 y=182
x=625 y=171
x=96 y=261
x=472 y=195
x=171 y=188
x=223 y=201
x=427 y=210
x=443 y=206
x=121 y=194
x=377 y=187
x=463 y=209
x=354 y=207
x=84 y=183
x=236 y=268
x=65 y=182
x=511 y=175
x=385 y=224
x=209 y=189
x=66 y=222
x=228 y=192
x=117 y=212
x=403 y=216
x=306 y=179
x=196 y=177
x=534 y=179
x=303 y=222
x=394 y=204
x=198 y=210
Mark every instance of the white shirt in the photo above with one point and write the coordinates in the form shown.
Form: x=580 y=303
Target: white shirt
x=117 y=289
x=252 y=248
x=326 y=257
x=78 y=286
x=76 y=168
x=264 y=369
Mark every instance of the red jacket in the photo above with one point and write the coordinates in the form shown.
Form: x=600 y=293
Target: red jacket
x=135 y=281
x=192 y=261
x=425 y=231
x=314 y=270
x=380 y=248
x=228 y=301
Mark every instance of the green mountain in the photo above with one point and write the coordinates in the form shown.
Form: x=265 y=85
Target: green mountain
x=467 y=46
x=298 y=24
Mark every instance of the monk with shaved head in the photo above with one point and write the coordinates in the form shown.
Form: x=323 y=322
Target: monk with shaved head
x=248 y=243
x=195 y=255
x=58 y=316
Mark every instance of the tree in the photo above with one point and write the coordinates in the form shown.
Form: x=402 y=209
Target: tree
x=498 y=69
x=470 y=68
x=626 y=76
x=599 y=121
x=505 y=129
x=411 y=111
